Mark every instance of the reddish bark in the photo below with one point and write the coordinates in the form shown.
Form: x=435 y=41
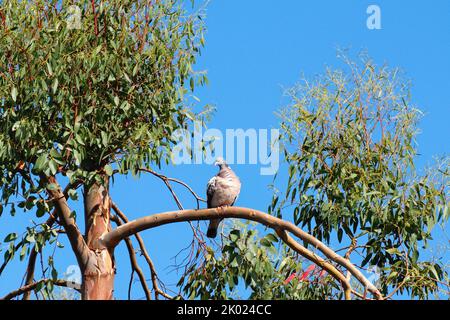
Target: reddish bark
x=99 y=271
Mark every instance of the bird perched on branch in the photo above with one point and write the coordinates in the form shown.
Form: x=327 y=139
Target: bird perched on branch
x=222 y=191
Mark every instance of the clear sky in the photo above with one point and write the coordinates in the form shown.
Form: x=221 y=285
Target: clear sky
x=254 y=49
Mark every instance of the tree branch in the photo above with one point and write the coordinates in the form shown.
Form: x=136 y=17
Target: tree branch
x=33 y=254
x=76 y=239
x=136 y=268
x=311 y=256
x=32 y=286
x=32 y=260
x=134 y=264
x=167 y=181
x=144 y=252
x=184 y=184
x=112 y=238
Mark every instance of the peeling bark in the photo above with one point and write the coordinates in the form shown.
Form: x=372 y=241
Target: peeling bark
x=99 y=271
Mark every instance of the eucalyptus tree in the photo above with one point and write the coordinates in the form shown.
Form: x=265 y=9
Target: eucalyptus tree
x=350 y=181
x=89 y=89
x=350 y=146
x=94 y=89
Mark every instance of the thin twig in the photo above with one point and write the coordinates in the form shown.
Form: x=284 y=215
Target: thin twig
x=167 y=181
x=153 y=273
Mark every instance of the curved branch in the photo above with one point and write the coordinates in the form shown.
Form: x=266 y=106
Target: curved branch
x=32 y=286
x=311 y=256
x=112 y=238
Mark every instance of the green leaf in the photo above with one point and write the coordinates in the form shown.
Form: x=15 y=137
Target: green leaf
x=10 y=237
x=340 y=234
x=73 y=194
x=14 y=94
x=265 y=242
x=135 y=69
x=23 y=252
x=39 y=286
x=53 y=167
x=434 y=272
x=30 y=238
x=108 y=170
x=40 y=212
x=97 y=49
x=104 y=136
x=49 y=69
x=55 y=85
x=272 y=238
x=393 y=250
x=52 y=186
x=54 y=274
x=392 y=275
x=366 y=259
x=41 y=163
x=79 y=139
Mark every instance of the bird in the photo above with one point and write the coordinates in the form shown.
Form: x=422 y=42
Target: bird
x=222 y=190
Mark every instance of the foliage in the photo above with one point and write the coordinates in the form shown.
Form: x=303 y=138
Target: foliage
x=109 y=92
x=349 y=143
x=253 y=262
x=81 y=101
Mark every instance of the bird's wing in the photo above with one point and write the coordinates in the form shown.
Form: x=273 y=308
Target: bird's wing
x=210 y=189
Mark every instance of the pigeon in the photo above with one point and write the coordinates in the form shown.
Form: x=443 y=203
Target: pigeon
x=222 y=190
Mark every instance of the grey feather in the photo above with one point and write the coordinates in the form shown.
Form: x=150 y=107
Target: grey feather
x=222 y=190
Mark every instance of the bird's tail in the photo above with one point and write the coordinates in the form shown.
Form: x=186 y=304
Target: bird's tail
x=212 y=228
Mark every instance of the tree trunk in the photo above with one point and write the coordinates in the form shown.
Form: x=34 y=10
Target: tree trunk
x=98 y=274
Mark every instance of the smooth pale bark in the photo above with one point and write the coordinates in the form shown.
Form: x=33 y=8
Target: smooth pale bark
x=111 y=239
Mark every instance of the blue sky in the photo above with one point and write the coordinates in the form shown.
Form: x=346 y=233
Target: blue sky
x=254 y=49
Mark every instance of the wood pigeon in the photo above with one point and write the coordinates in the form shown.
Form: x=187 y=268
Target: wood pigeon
x=222 y=190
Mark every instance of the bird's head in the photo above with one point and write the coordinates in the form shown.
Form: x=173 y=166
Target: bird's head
x=220 y=162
